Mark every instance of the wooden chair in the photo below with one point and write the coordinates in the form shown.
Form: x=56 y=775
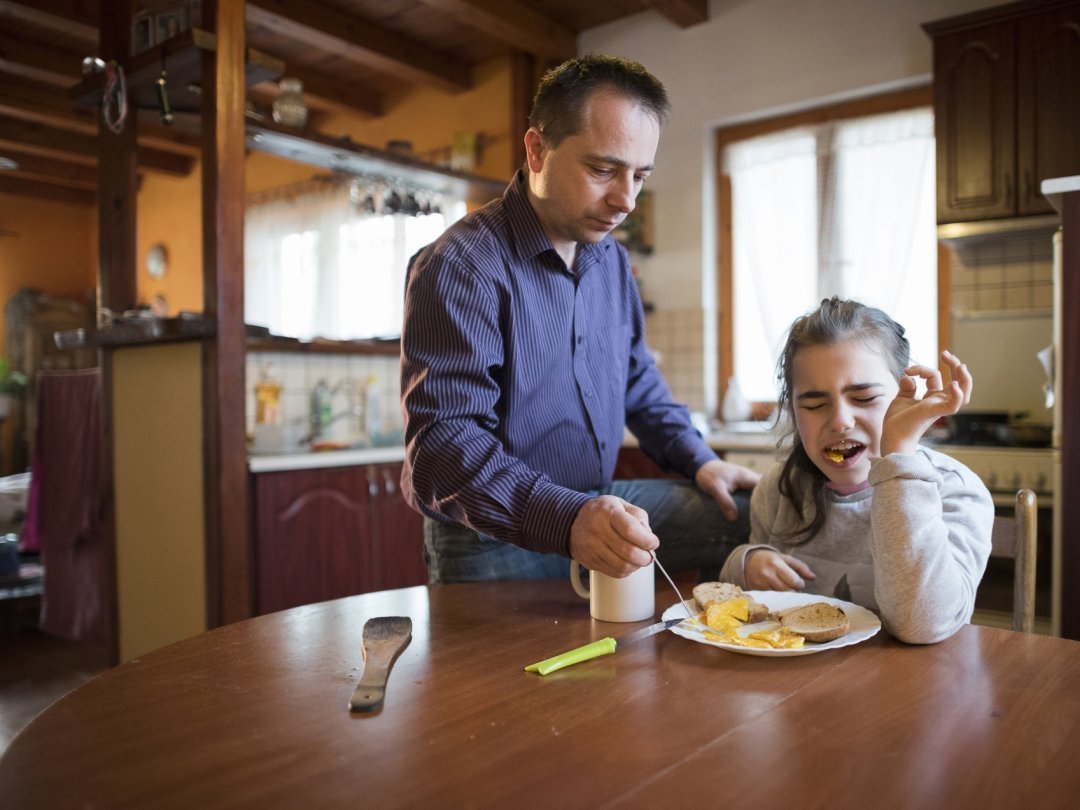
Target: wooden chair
x=1024 y=560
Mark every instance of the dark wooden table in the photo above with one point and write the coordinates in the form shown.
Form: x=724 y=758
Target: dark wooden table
x=255 y=715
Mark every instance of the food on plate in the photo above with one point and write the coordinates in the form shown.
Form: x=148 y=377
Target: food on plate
x=722 y=620
x=816 y=622
x=707 y=592
x=727 y=615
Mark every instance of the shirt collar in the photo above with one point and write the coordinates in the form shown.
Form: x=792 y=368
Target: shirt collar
x=528 y=234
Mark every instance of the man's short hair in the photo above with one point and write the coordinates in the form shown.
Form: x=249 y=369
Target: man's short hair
x=558 y=107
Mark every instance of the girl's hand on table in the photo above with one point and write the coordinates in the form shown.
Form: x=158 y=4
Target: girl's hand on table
x=768 y=570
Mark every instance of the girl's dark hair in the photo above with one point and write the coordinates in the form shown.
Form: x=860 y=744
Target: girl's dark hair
x=834 y=321
x=560 y=100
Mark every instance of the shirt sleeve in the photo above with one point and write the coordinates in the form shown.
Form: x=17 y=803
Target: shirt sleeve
x=456 y=465
x=930 y=538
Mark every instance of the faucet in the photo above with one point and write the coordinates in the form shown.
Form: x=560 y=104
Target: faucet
x=322 y=399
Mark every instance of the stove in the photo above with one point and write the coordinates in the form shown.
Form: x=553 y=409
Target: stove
x=1005 y=470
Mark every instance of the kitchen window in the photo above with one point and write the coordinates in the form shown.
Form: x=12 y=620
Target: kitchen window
x=832 y=205
x=321 y=263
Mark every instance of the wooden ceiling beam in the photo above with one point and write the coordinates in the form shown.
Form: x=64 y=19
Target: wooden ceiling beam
x=43 y=63
x=32 y=188
x=78 y=147
x=684 y=13
x=344 y=35
x=43 y=104
x=50 y=170
x=76 y=17
x=516 y=24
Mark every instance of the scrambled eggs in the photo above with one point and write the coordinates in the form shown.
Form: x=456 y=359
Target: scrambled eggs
x=723 y=620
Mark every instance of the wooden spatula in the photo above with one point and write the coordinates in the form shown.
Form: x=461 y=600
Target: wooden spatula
x=384 y=638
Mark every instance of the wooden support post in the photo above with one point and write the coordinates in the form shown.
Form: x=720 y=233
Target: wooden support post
x=228 y=547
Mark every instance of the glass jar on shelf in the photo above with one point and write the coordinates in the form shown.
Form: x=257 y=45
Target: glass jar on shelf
x=289 y=107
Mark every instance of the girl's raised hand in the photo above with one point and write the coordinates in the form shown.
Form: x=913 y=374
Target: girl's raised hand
x=908 y=418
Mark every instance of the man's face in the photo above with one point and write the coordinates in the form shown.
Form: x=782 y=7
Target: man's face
x=585 y=186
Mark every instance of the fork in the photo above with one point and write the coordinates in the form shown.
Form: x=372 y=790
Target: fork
x=674 y=587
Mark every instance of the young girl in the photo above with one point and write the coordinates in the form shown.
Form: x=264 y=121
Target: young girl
x=860 y=510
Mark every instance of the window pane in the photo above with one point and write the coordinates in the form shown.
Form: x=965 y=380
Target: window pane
x=774 y=226
x=886 y=245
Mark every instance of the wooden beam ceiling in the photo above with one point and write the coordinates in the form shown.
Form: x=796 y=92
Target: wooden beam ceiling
x=332 y=31
x=684 y=13
x=517 y=25
x=43 y=43
x=78 y=147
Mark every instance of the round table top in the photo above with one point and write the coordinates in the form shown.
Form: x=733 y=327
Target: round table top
x=255 y=714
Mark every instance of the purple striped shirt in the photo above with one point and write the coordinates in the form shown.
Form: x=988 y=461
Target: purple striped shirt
x=518 y=376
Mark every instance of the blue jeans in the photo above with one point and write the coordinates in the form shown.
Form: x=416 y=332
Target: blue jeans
x=693 y=534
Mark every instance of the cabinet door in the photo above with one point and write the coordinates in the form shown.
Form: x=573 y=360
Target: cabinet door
x=398 y=531
x=313 y=537
x=975 y=115
x=1048 y=126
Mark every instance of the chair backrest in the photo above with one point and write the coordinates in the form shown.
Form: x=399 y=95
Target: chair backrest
x=1024 y=560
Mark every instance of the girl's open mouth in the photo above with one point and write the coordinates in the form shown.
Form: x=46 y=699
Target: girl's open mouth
x=843 y=452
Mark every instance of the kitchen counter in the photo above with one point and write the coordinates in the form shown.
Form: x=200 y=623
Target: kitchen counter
x=311 y=460
x=745 y=436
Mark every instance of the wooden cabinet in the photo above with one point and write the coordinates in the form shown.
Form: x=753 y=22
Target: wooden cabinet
x=331 y=532
x=1006 y=108
x=633 y=463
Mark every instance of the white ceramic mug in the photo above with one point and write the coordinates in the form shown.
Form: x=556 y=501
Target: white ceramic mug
x=627 y=599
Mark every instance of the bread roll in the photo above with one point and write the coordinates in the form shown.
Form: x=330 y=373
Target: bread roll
x=816 y=622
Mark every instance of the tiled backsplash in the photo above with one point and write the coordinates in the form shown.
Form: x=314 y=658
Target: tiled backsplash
x=1006 y=274
x=676 y=336
x=346 y=375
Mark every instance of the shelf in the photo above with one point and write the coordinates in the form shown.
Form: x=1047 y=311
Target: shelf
x=345 y=155
x=181 y=58
x=138 y=332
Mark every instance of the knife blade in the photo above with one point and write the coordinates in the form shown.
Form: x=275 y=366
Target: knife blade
x=605 y=646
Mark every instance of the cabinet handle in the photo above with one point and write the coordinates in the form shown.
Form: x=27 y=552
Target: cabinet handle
x=388 y=480
x=372 y=484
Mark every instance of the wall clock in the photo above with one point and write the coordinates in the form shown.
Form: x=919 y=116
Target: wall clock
x=157 y=261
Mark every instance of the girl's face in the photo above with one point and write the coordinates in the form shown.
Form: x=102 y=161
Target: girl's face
x=840 y=393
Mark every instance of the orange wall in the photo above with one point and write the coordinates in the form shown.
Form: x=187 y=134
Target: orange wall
x=50 y=246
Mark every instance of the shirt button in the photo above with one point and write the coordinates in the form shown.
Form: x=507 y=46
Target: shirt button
x=603 y=445
x=588 y=393
x=579 y=339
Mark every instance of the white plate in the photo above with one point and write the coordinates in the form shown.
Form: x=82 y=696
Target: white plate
x=864 y=624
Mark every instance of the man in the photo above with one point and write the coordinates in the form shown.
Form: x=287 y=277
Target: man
x=523 y=357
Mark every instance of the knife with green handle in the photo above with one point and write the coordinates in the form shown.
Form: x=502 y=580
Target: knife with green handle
x=605 y=646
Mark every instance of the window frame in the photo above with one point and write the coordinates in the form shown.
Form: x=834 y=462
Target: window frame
x=921 y=96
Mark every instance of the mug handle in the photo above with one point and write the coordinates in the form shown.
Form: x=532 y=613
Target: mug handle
x=575 y=580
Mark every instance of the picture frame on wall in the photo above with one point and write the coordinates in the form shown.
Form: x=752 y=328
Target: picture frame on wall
x=171 y=22
x=142 y=33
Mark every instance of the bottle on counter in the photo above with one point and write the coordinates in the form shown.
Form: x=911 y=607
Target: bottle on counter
x=373 y=408
x=267 y=397
x=320 y=408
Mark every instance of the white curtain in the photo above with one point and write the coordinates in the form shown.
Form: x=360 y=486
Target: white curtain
x=845 y=208
x=315 y=267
